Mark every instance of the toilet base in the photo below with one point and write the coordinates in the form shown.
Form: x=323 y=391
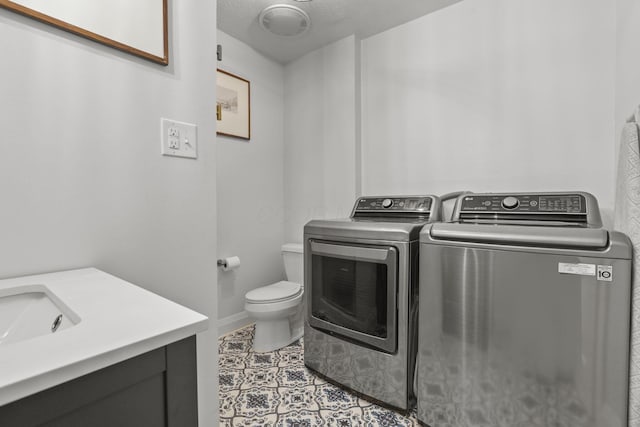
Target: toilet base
x=277 y=324
x=274 y=334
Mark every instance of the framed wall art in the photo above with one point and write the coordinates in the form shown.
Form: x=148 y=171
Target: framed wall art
x=233 y=105
x=136 y=27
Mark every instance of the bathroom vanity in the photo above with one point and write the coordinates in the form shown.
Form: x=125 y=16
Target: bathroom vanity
x=119 y=355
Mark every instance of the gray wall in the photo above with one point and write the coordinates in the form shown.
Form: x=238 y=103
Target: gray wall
x=299 y=164
x=492 y=95
x=484 y=95
x=320 y=158
x=250 y=185
x=627 y=61
x=81 y=176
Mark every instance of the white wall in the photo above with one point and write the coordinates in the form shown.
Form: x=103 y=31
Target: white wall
x=627 y=62
x=250 y=185
x=320 y=136
x=83 y=181
x=492 y=95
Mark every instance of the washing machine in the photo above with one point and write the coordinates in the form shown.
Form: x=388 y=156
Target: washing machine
x=524 y=314
x=361 y=283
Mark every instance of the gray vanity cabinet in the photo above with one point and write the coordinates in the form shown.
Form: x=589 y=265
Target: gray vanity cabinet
x=157 y=388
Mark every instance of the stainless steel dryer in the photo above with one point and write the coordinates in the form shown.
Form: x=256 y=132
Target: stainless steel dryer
x=361 y=285
x=524 y=314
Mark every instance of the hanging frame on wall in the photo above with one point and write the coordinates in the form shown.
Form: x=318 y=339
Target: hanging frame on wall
x=139 y=27
x=233 y=105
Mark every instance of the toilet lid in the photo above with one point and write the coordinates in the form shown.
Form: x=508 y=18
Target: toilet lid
x=274 y=293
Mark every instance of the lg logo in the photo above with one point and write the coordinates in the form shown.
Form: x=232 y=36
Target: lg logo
x=605 y=273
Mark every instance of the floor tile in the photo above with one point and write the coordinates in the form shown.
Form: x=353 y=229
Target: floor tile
x=276 y=389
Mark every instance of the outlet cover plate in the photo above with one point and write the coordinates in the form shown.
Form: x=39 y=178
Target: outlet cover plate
x=178 y=139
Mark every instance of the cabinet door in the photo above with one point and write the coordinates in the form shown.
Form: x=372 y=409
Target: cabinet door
x=157 y=388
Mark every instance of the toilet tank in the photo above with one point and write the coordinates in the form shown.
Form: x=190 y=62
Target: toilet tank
x=293 y=262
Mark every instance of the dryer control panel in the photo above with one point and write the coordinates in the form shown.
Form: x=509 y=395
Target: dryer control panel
x=541 y=203
x=393 y=206
x=561 y=209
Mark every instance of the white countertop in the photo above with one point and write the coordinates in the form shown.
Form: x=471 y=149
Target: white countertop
x=118 y=321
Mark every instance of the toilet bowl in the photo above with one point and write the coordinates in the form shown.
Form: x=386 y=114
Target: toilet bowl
x=277 y=309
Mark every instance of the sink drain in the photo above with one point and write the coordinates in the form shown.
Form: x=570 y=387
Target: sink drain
x=56 y=323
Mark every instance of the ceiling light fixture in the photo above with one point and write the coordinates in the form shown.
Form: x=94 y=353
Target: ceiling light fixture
x=284 y=20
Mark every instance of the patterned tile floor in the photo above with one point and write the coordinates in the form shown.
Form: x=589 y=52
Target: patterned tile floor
x=276 y=389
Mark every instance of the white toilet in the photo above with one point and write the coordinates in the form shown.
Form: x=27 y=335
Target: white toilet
x=277 y=309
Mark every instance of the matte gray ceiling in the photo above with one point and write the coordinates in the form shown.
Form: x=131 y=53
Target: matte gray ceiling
x=331 y=20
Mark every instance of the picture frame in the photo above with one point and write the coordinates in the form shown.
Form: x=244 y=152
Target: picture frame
x=233 y=105
x=139 y=28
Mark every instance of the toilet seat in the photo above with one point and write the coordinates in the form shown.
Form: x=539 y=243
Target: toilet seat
x=277 y=292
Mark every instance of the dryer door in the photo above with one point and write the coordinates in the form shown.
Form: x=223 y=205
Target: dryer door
x=353 y=292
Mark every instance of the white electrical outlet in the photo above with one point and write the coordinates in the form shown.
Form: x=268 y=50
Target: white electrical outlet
x=178 y=139
x=174 y=138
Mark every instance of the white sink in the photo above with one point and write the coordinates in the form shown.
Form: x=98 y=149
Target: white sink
x=105 y=320
x=30 y=311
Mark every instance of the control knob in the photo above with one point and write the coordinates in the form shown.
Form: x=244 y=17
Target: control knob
x=510 y=202
x=387 y=203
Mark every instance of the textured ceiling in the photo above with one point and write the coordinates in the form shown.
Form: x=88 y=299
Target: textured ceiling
x=331 y=20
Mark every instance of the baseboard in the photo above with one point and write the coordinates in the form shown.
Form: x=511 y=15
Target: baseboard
x=233 y=322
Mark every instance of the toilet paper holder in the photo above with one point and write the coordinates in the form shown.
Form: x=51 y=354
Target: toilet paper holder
x=229 y=263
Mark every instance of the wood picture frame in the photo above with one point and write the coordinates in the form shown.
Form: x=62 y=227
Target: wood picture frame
x=233 y=105
x=139 y=28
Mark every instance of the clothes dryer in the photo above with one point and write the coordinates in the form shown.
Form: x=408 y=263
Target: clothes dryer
x=524 y=314
x=361 y=282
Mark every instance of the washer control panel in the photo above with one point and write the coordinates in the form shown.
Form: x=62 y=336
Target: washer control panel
x=393 y=205
x=521 y=203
